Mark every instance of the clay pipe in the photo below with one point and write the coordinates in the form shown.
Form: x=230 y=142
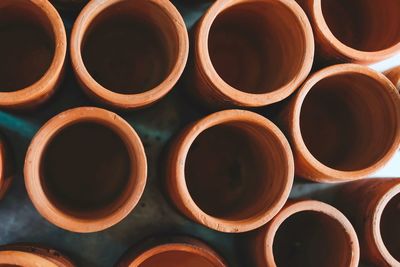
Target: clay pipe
x=231 y=171
x=7 y=169
x=307 y=233
x=373 y=207
x=32 y=50
x=343 y=123
x=354 y=31
x=250 y=53
x=85 y=169
x=394 y=76
x=171 y=252
x=129 y=54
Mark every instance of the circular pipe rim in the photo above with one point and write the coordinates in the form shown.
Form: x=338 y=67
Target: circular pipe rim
x=19 y=258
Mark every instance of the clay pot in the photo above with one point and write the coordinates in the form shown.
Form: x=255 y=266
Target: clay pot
x=129 y=54
x=343 y=124
x=231 y=171
x=307 y=233
x=174 y=252
x=6 y=168
x=32 y=51
x=394 y=76
x=356 y=31
x=23 y=252
x=250 y=53
x=373 y=207
x=85 y=169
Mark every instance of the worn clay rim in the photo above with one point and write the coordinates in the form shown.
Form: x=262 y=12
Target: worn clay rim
x=343 y=50
x=46 y=85
x=241 y=97
x=128 y=101
x=128 y=199
x=376 y=222
x=316 y=206
x=332 y=175
x=25 y=259
x=178 y=170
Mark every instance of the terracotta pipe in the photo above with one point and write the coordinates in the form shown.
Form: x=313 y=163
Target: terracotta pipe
x=343 y=123
x=129 y=54
x=373 y=207
x=354 y=31
x=25 y=259
x=85 y=169
x=250 y=53
x=231 y=171
x=50 y=255
x=394 y=76
x=307 y=233
x=32 y=51
x=175 y=252
x=7 y=169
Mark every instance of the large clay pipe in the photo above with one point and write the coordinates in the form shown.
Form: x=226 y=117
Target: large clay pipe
x=85 y=169
x=129 y=54
x=307 y=233
x=32 y=50
x=355 y=31
x=373 y=207
x=394 y=76
x=250 y=53
x=7 y=169
x=171 y=252
x=343 y=123
x=231 y=171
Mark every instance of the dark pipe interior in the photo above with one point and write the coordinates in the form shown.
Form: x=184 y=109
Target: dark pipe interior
x=390 y=227
x=176 y=259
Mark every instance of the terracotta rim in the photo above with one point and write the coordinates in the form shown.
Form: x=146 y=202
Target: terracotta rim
x=44 y=87
x=330 y=174
x=179 y=180
x=394 y=76
x=19 y=258
x=129 y=198
x=346 y=51
x=82 y=23
x=376 y=222
x=244 y=98
x=316 y=206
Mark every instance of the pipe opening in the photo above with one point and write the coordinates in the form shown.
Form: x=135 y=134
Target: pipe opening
x=347 y=120
x=27 y=45
x=236 y=170
x=390 y=229
x=313 y=239
x=257 y=47
x=85 y=170
x=176 y=258
x=364 y=25
x=131 y=47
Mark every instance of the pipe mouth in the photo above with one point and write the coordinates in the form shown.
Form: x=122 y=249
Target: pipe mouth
x=20 y=258
x=144 y=43
x=311 y=233
x=346 y=122
x=32 y=50
x=234 y=171
x=85 y=169
x=255 y=52
x=359 y=30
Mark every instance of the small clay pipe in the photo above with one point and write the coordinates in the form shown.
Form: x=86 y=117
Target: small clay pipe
x=307 y=233
x=373 y=207
x=85 y=169
x=343 y=123
x=46 y=253
x=394 y=76
x=355 y=31
x=172 y=252
x=250 y=53
x=6 y=167
x=32 y=50
x=231 y=171
x=129 y=54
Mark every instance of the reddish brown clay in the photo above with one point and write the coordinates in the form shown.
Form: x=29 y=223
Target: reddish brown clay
x=394 y=76
x=6 y=168
x=307 y=233
x=231 y=171
x=343 y=124
x=129 y=54
x=45 y=253
x=85 y=169
x=176 y=252
x=32 y=50
x=356 y=31
x=251 y=53
x=373 y=207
